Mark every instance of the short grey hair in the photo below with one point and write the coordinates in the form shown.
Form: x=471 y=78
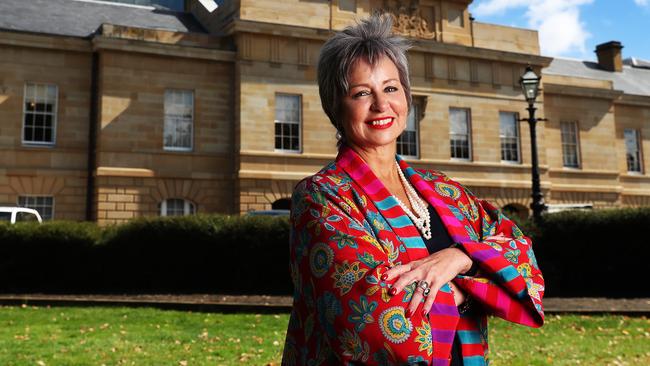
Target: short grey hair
x=370 y=39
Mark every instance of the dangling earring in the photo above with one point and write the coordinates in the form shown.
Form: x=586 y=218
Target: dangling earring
x=338 y=136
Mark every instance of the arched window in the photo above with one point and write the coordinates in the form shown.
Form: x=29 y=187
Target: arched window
x=281 y=204
x=176 y=207
x=516 y=210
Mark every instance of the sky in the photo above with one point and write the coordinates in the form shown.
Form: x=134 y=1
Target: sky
x=573 y=28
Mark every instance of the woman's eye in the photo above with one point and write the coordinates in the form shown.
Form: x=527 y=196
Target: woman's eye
x=390 y=89
x=361 y=94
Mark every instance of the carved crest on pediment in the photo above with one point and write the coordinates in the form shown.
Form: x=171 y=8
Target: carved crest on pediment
x=409 y=20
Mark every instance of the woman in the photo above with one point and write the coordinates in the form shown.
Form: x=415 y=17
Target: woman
x=393 y=265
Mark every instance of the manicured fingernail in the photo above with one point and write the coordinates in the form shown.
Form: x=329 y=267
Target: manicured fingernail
x=424 y=313
x=409 y=313
x=384 y=277
x=393 y=291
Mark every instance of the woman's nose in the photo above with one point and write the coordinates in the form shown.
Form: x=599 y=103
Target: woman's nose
x=380 y=103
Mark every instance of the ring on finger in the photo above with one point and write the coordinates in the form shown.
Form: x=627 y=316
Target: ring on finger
x=426 y=291
x=424 y=285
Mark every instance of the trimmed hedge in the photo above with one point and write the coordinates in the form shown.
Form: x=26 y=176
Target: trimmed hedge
x=210 y=254
x=599 y=253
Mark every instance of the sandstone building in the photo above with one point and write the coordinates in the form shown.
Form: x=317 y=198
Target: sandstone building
x=110 y=111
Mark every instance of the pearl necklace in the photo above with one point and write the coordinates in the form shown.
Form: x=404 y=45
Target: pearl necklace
x=422 y=220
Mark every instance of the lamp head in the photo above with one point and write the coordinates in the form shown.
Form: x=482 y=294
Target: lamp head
x=529 y=82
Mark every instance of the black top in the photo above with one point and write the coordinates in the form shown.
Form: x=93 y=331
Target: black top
x=440 y=240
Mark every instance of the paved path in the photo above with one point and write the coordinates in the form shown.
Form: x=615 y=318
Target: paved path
x=283 y=303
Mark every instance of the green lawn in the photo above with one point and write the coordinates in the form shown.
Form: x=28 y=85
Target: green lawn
x=139 y=336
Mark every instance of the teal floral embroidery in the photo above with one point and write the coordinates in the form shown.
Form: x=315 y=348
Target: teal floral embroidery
x=322 y=219
x=472 y=234
x=321 y=257
x=367 y=259
x=409 y=290
x=516 y=232
x=389 y=249
x=362 y=313
x=394 y=325
x=415 y=360
x=513 y=255
x=329 y=307
x=459 y=215
x=377 y=221
x=423 y=337
x=353 y=346
x=525 y=270
x=354 y=225
x=346 y=275
x=377 y=285
x=344 y=240
x=447 y=190
x=469 y=211
x=534 y=289
x=532 y=258
x=428 y=176
x=489 y=229
x=496 y=246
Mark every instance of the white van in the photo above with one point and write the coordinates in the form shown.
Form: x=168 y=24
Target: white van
x=19 y=214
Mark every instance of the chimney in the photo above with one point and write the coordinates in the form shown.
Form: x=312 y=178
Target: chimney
x=610 y=57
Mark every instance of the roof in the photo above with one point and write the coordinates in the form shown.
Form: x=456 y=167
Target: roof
x=81 y=18
x=632 y=80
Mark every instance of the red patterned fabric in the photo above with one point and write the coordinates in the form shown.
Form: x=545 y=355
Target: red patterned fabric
x=347 y=229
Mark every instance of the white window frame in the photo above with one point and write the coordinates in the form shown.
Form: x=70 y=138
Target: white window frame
x=53 y=113
x=276 y=121
x=638 y=150
x=415 y=113
x=517 y=138
x=570 y=144
x=173 y=94
x=36 y=207
x=468 y=120
x=189 y=207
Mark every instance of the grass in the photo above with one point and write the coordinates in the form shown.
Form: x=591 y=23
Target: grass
x=141 y=336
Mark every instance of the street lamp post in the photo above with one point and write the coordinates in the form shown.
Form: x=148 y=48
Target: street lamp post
x=529 y=82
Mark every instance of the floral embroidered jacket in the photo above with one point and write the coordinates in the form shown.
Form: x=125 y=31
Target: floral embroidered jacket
x=347 y=229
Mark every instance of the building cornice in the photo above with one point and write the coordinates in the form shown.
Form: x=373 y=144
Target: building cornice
x=246 y=26
x=129 y=45
x=46 y=41
x=582 y=91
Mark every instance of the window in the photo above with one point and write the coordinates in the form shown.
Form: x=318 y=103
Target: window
x=39 y=122
x=633 y=151
x=43 y=204
x=408 y=142
x=509 y=135
x=348 y=5
x=570 y=147
x=460 y=138
x=176 y=207
x=179 y=116
x=455 y=18
x=287 y=122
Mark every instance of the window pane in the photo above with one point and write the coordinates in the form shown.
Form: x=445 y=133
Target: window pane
x=459 y=133
x=632 y=150
x=178 y=124
x=39 y=113
x=569 y=135
x=43 y=204
x=287 y=122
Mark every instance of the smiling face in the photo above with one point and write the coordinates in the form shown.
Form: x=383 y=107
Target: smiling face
x=375 y=108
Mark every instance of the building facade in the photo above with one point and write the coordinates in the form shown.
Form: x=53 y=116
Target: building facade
x=110 y=111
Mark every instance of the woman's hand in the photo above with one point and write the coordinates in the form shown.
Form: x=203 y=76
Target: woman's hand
x=436 y=269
